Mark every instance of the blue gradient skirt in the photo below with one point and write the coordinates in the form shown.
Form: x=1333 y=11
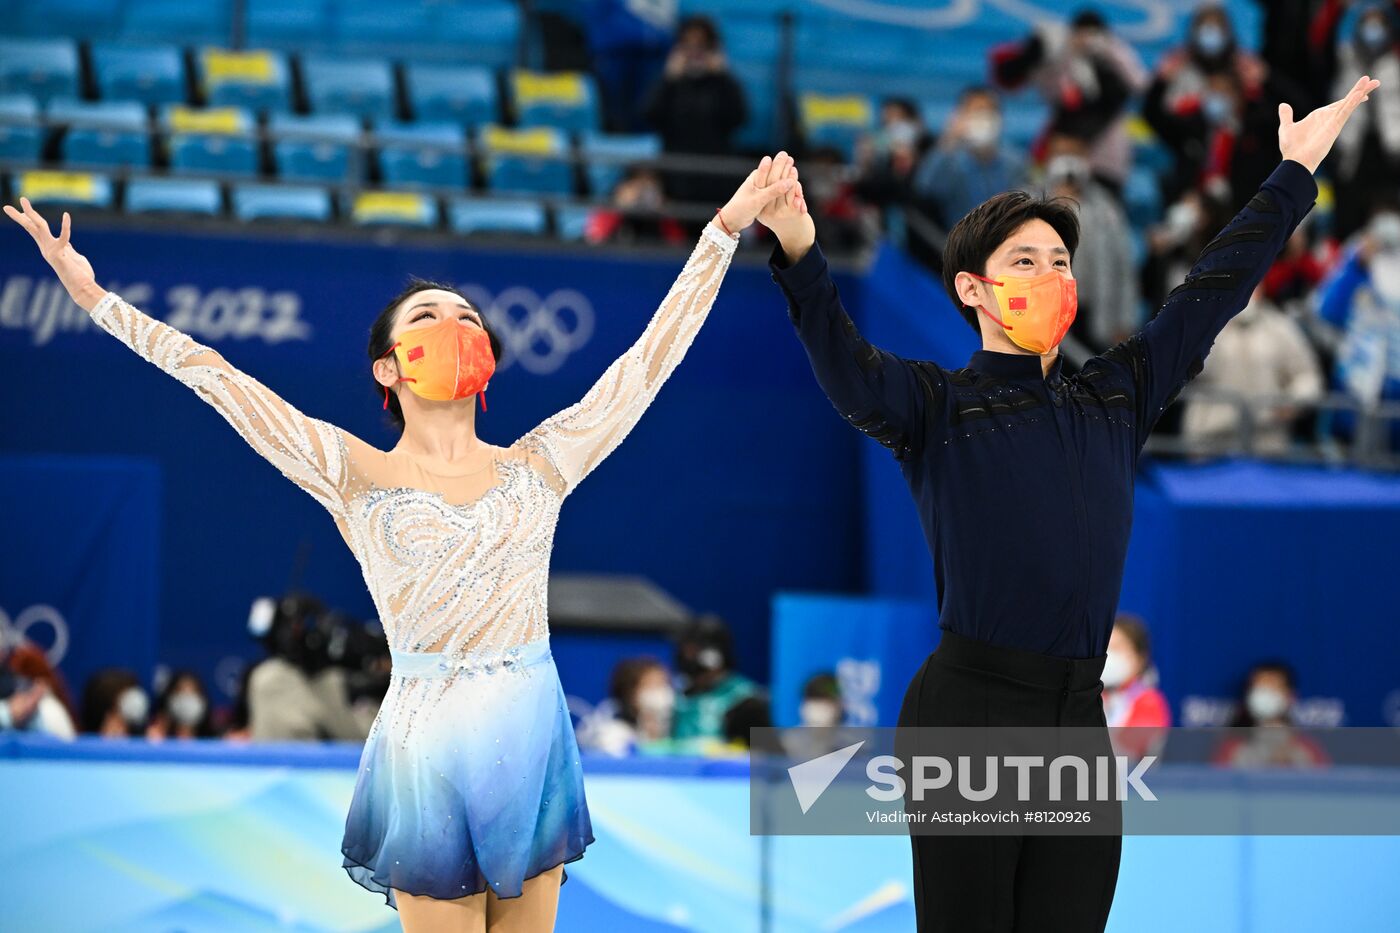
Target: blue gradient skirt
x=469 y=779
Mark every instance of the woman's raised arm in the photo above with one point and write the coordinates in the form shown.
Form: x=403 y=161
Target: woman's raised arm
x=314 y=454
x=576 y=440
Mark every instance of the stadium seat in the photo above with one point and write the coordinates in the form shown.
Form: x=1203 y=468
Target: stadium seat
x=363 y=87
x=490 y=215
x=21 y=138
x=281 y=202
x=422 y=155
x=532 y=160
x=256 y=79
x=173 y=196
x=835 y=121
x=486 y=31
x=462 y=93
x=567 y=99
x=103 y=133
x=180 y=21
x=44 y=68
x=75 y=19
x=571 y=220
x=283 y=24
x=75 y=189
x=394 y=208
x=607 y=157
x=319 y=147
x=152 y=74
x=215 y=139
x=381 y=27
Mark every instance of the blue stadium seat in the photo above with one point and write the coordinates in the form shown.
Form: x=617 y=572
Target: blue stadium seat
x=21 y=138
x=180 y=21
x=571 y=220
x=281 y=202
x=422 y=155
x=74 y=19
x=256 y=78
x=173 y=196
x=488 y=31
x=364 y=87
x=214 y=139
x=1142 y=195
x=381 y=27
x=107 y=133
x=44 y=68
x=282 y=24
x=532 y=160
x=492 y=215
x=66 y=189
x=607 y=157
x=152 y=74
x=566 y=99
x=320 y=147
x=835 y=121
x=464 y=93
x=394 y=208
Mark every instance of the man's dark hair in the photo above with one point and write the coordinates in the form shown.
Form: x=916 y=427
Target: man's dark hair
x=905 y=104
x=1088 y=18
x=705 y=25
x=380 y=341
x=979 y=90
x=982 y=232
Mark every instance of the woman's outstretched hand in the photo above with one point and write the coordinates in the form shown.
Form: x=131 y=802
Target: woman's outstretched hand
x=1308 y=141
x=764 y=185
x=73 y=269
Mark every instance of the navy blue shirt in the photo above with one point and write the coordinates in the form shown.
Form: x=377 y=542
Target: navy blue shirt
x=1024 y=481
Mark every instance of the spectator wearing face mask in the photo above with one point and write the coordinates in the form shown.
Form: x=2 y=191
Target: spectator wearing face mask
x=1366 y=164
x=637 y=712
x=1265 y=708
x=1261 y=353
x=886 y=159
x=1110 y=303
x=1361 y=301
x=1174 y=244
x=1087 y=75
x=33 y=695
x=696 y=107
x=182 y=710
x=1132 y=703
x=635 y=214
x=114 y=704
x=704 y=657
x=1215 y=107
x=970 y=163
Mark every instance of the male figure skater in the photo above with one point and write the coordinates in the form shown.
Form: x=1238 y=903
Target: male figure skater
x=1023 y=479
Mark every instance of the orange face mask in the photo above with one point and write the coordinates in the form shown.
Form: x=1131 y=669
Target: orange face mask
x=1036 y=311
x=444 y=361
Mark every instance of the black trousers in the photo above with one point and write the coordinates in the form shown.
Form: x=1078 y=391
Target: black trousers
x=1009 y=884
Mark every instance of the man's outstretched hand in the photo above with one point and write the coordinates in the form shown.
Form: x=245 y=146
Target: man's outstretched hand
x=1310 y=139
x=787 y=216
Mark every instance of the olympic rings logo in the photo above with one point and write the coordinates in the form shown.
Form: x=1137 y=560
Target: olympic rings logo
x=539 y=333
x=15 y=633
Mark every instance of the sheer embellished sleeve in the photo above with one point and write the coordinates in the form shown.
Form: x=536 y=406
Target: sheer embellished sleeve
x=315 y=455
x=576 y=440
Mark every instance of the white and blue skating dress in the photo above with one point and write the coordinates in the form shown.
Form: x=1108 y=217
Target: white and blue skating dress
x=470 y=778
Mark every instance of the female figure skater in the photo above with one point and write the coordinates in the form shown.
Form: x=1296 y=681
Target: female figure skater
x=469 y=797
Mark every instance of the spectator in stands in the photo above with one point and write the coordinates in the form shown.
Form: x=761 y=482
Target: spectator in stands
x=696 y=107
x=1174 y=244
x=886 y=159
x=1262 y=353
x=821 y=701
x=752 y=712
x=1361 y=300
x=970 y=163
x=182 y=710
x=114 y=704
x=1368 y=151
x=1288 y=47
x=1216 y=107
x=637 y=712
x=1300 y=268
x=1131 y=699
x=840 y=217
x=1087 y=75
x=1110 y=304
x=635 y=214
x=704 y=657
x=1266 y=706
x=629 y=42
x=33 y=695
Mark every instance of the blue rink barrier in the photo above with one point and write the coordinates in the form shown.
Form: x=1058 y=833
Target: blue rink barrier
x=211 y=836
